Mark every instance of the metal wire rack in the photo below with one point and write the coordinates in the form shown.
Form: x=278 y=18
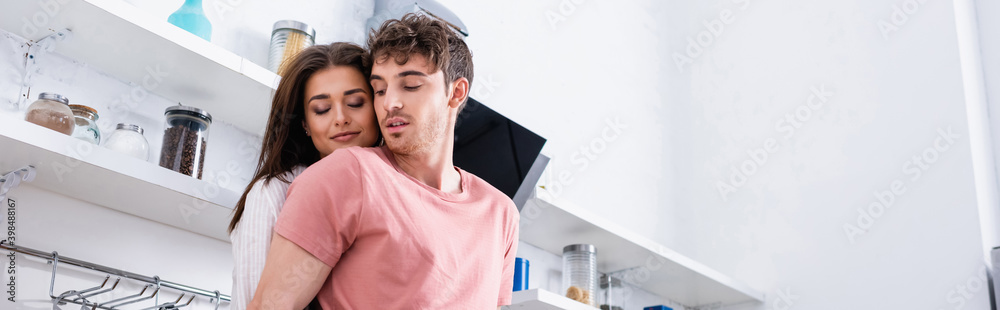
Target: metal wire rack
x=83 y=297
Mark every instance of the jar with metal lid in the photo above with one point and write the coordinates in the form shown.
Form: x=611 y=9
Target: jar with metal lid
x=128 y=139
x=612 y=293
x=288 y=38
x=185 y=140
x=85 y=119
x=51 y=111
x=580 y=273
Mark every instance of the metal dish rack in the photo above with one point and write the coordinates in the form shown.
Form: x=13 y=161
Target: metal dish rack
x=82 y=297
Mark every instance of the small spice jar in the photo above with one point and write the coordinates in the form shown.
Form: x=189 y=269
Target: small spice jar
x=288 y=38
x=128 y=139
x=580 y=273
x=185 y=140
x=51 y=111
x=85 y=120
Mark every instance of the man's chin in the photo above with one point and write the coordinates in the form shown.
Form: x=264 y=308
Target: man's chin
x=400 y=148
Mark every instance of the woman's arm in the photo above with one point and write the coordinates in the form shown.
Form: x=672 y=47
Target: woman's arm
x=252 y=238
x=292 y=278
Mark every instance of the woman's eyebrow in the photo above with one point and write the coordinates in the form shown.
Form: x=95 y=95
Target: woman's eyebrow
x=318 y=97
x=353 y=91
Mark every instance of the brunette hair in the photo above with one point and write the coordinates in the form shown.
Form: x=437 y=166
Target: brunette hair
x=427 y=36
x=285 y=143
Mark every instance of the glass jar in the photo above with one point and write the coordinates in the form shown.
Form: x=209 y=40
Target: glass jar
x=612 y=293
x=51 y=111
x=128 y=139
x=580 y=273
x=85 y=119
x=185 y=140
x=288 y=38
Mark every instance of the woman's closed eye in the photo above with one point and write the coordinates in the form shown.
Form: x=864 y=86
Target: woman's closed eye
x=321 y=112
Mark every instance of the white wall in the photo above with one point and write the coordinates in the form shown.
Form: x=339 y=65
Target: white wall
x=12 y=50
x=782 y=231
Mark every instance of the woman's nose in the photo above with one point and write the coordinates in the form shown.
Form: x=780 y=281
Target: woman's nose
x=340 y=116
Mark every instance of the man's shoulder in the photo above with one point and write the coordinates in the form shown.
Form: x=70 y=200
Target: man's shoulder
x=487 y=192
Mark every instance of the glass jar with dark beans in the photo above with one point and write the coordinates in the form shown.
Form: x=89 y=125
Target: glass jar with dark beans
x=185 y=140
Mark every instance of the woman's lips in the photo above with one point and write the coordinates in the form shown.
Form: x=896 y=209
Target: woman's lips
x=345 y=136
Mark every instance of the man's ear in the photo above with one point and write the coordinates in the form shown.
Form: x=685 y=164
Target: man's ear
x=459 y=92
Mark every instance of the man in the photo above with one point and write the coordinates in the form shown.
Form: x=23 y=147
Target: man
x=397 y=227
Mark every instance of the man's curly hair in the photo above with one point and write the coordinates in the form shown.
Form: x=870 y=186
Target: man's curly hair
x=427 y=36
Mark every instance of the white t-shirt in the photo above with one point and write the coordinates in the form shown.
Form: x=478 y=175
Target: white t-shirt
x=251 y=237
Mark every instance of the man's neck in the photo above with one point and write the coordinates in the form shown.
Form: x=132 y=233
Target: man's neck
x=433 y=167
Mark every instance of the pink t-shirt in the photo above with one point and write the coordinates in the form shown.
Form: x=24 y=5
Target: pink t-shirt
x=396 y=243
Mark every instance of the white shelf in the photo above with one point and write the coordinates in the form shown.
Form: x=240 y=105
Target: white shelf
x=550 y=224
x=538 y=299
x=121 y=40
x=104 y=177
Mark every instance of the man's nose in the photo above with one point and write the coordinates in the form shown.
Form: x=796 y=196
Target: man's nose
x=392 y=101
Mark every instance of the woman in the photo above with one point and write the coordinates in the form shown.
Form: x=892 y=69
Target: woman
x=323 y=103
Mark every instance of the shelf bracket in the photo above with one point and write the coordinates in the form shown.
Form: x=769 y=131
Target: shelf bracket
x=14 y=178
x=40 y=48
x=47 y=43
